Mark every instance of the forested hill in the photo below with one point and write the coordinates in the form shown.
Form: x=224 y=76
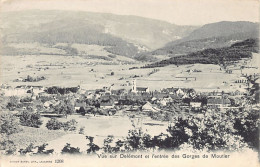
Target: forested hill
x=223 y=55
x=214 y=35
x=119 y=34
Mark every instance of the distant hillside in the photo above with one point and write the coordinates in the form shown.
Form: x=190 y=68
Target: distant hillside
x=37 y=32
x=122 y=35
x=215 y=35
x=223 y=55
x=224 y=28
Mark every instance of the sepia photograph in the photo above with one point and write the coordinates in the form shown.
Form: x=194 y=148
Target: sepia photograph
x=129 y=83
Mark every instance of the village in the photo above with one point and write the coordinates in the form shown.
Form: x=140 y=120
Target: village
x=77 y=109
x=62 y=110
x=107 y=101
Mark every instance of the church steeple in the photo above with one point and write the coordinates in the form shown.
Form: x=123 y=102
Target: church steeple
x=134 y=85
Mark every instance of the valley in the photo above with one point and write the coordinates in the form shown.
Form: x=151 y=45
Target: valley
x=66 y=71
x=81 y=82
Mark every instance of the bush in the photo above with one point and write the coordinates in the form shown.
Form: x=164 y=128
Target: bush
x=112 y=56
x=13 y=102
x=26 y=99
x=27 y=150
x=82 y=111
x=8 y=146
x=41 y=150
x=93 y=148
x=70 y=150
x=215 y=131
x=9 y=124
x=65 y=107
x=137 y=140
x=31 y=150
x=247 y=126
x=70 y=125
x=30 y=119
x=81 y=130
x=54 y=124
x=107 y=147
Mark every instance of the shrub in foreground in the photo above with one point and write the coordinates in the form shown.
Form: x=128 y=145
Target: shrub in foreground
x=8 y=124
x=70 y=150
x=70 y=125
x=54 y=124
x=30 y=119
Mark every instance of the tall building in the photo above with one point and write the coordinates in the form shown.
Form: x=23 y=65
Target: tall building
x=134 y=85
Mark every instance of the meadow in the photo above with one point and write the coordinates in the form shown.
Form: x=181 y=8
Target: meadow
x=92 y=74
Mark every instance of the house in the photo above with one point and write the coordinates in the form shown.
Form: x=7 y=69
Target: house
x=184 y=106
x=37 y=89
x=174 y=96
x=44 y=94
x=168 y=99
x=229 y=71
x=169 y=90
x=185 y=96
x=27 y=105
x=107 y=104
x=23 y=90
x=218 y=102
x=134 y=108
x=162 y=102
x=78 y=105
x=179 y=92
x=195 y=104
x=160 y=95
x=119 y=92
x=97 y=96
x=18 y=91
x=242 y=79
x=153 y=99
x=100 y=92
x=237 y=93
x=87 y=92
x=50 y=103
x=6 y=90
x=142 y=89
x=90 y=96
x=149 y=107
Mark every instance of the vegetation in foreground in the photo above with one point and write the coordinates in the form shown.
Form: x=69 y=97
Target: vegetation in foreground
x=233 y=130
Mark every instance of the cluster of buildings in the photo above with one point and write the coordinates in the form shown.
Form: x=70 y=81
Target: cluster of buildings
x=139 y=98
x=22 y=90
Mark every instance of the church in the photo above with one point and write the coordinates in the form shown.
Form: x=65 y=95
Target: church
x=136 y=89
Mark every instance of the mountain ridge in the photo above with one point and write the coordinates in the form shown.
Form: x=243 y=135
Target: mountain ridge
x=214 y=35
x=151 y=33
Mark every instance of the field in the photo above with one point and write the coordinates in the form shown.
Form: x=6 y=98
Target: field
x=89 y=74
x=98 y=127
x=29 y=135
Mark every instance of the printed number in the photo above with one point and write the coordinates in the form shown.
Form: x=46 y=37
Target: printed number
x=59 y=161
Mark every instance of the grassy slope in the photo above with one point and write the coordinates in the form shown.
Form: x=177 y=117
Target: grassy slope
x=36 y=136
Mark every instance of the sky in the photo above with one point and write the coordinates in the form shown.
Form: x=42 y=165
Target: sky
x=181 y=12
